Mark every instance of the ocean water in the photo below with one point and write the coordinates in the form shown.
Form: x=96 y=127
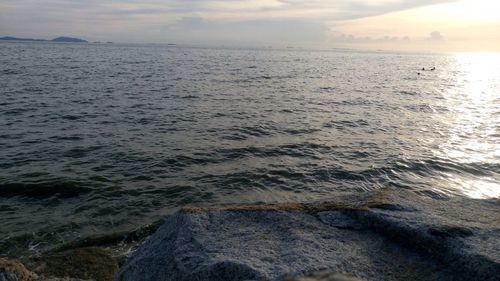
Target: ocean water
x=96 y=139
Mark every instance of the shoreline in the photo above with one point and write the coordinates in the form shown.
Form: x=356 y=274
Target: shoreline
x=409 y=236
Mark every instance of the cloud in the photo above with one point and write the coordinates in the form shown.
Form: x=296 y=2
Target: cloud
x=349 y=10
x=190 y=20
x=352 y=39
x=250 y=32
x=436 y=36
x=215 y=9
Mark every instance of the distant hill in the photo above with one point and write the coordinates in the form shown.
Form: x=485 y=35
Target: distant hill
x=69 y=39
x=10 y=38
x=61 y=39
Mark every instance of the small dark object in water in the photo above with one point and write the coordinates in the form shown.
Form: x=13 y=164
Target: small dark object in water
x=433 y=68
x=423 y=68
x=418 y=73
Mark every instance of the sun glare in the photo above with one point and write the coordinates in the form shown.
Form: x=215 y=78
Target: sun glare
x=477 y=10
x=473 y=137
x=479 y=73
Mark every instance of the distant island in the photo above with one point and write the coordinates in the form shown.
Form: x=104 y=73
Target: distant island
x=61 y=39
x=69 y=39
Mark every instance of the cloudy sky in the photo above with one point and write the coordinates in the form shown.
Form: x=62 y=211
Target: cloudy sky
x=426 y=25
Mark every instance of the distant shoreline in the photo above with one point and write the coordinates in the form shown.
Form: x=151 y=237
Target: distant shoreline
x=61 y=39
x=222 y=46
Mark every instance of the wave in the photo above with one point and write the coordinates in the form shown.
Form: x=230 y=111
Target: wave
x=400 y=173
x=342 y=125
x=61 y=188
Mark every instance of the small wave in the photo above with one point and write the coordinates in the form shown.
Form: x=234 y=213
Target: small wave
x=17 y=111
x=234 y=137
x=425 y=108
x=255 y=131
x=408 y=93
x=292 y=150
x=189 y=97
x=220 y=114
x=300 y=131
x=396 y=175
x=342 y=125
x=327 y=89
x=300 y=150
x=10 y=72
x=59 y=188
x=241 y=133
x=80 y=152
x=69 y=137
x=71 y=117
x=181 y=161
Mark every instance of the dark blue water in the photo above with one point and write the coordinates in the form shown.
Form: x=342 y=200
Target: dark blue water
x=102 y=138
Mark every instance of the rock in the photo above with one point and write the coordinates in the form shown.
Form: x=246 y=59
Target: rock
x=383 y=235
x=323 y=276
x=90 y=263
x=14 y=271
x=59 y=279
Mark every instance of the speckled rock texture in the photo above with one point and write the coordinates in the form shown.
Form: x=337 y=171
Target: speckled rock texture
x=382 y=235
x=80 y=264
x=16 y=271
x=88 y=263
x=322 y=276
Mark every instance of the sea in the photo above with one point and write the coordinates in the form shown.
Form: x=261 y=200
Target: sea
x=97 y=139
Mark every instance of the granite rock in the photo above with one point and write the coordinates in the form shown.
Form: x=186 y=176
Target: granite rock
x=382 y=235
x=16 y=271
x=323 y=276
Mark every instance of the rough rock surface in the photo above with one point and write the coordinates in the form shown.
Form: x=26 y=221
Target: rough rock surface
x=323 y=276
x=16 y=271
x=89 y=263
x=383 y=235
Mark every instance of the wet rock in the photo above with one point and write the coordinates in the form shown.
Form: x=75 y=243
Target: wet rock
x=113 y=238
x=323 y=276
x=59 y=279
x=383 y=235
x=14 y=271
x=89 y=263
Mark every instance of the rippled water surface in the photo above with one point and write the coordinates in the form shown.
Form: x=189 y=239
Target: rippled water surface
x=102 y=138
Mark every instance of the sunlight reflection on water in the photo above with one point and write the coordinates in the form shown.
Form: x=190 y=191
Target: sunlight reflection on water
x=474 y=135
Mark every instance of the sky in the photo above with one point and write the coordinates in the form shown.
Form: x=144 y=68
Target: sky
x=413 y=25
